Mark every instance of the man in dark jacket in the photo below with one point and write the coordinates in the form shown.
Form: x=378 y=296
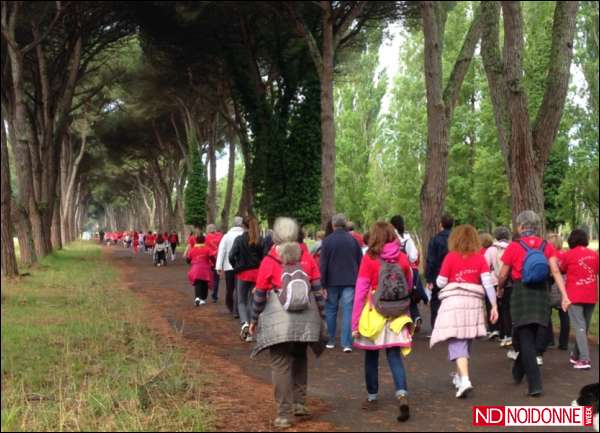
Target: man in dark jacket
x=436 y=252
x=340 y=260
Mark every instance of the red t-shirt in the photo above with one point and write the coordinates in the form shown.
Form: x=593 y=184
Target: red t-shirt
x=560 y=255
x=174 y=239
x=191 y=240
x=514 y=256
x=213 y=240
x=581 y=266
x=358 y=238
x=464 y=269
x=269 y=272
x=248 y=275
x=150 y=240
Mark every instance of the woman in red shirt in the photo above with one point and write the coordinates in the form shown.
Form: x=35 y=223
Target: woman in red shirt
x=287 y=335
x=383 y=246
x=581 y=266
x=200 y=274
x=529 y=303
x=465 y=282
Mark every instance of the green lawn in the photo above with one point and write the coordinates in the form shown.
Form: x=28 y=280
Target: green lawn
x=76 y=354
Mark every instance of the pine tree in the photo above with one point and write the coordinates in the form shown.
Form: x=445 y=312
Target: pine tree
x=195 y=193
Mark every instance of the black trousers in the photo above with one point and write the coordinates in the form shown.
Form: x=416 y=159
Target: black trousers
x=215 y=285
x=230 y=292
x=505 y=319
x=528 y=340
x=201 y=289
x=565 y=327
x=434 y=303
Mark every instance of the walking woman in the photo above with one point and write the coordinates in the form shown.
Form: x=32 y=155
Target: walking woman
x=530 y=300
x=245 y=257
x=465 y=281
x=580 y=264
x=493 y=257
x=396 y=333
x=285 y=333
x=200 y=274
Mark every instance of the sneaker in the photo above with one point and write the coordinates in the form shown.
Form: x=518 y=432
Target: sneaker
x=503 y=342
x=463 y=389
x=512 y=354
x=573 y=360
x=197 y=302
x=347 y=350
x=244 y=332
x=582 y=365
x=330 y=346
x=370 y=405
x=539 y=360
x=250 y=339
x=404 y=410
x=301 y=410
x=508 y=342
x=455 y=380
x=282 y=423
x=493 y=334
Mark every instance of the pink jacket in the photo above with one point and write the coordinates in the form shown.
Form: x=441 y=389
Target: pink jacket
x=461 y=314
x=369 y=273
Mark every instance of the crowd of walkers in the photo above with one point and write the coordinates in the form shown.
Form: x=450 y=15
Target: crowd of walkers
x=500 y=286
x=161 y=246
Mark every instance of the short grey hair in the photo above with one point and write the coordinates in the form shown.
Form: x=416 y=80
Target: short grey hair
x=529 y=220
x=211 y=228
x=238 y=221
x=285 y=230
x=502 y=233
x=339 y=221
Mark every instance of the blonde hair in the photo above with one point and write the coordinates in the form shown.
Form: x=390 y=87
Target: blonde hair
x=464 y=240
x=556 y=240
x=486 y=239
x=285 y=230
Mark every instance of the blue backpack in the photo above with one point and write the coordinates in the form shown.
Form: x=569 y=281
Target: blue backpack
x=535 y=266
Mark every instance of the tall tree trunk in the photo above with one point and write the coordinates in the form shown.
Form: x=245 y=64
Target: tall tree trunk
x=525 y=146
x=55 y=229
x=212 y=179
x=23 y=228
x=9 y=259
x=327 y=120
x=229 y=190
x=440 y=109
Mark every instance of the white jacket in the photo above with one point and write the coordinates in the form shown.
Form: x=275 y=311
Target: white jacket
x=225 y=248
x=409 y=246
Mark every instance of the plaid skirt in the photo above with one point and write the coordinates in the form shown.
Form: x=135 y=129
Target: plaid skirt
x=530 y=304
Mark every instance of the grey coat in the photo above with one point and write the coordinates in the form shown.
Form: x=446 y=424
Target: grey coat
x=276 y=326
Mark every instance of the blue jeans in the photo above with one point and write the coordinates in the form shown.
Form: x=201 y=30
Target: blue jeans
x=372 y=371
x=334 y=296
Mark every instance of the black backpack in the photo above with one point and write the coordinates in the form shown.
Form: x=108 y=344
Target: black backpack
x=392 y=297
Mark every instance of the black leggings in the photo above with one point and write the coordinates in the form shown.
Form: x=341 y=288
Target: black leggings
x=173 y=246
x=529 y=341
x=201 y=289
x=505 y=319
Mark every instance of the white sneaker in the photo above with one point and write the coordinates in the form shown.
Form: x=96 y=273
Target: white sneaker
x=508 y=342
x=197 y=302
x=244 y=331
x=455 y=380
x=202 y=302
x=347 y=350
x=540 y=360
x=512 y=354
x=330 y=346
x=463 y=389
x=493 y=334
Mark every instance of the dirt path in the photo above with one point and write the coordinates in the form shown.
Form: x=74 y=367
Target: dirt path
x=239 y=388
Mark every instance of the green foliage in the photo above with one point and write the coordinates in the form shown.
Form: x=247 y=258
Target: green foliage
x=195 y=193
x=77 y=354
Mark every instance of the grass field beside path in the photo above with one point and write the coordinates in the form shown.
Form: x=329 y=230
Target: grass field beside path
x=77 y=355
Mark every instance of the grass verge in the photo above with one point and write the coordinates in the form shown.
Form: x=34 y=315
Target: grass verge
x=77 y=354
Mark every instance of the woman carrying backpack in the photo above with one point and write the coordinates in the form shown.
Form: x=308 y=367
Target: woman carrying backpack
x=287 y=316
x=245 y=257
x=493 y=257
x=394 y=333
x=465 y=282
x=529 y=262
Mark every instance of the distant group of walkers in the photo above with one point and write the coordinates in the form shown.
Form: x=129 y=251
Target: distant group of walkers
x=477 y=285
x=161 y=246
